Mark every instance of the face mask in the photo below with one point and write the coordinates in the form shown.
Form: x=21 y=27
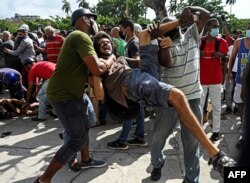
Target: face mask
x=248 y=33
x=214 y=32
x=122 y=35
x=19 y=38
x=93 y=27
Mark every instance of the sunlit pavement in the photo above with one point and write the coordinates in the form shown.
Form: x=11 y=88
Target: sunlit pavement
x=26 y=152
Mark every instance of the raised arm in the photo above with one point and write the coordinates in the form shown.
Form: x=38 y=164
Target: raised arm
x=188 y=13
x=164 y=44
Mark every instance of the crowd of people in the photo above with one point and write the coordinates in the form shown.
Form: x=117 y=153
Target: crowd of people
x=177 y=72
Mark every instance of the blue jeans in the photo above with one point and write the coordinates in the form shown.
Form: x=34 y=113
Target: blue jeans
x=128 y=124
x=90 y=111
x=43 y=101
x=166 y=119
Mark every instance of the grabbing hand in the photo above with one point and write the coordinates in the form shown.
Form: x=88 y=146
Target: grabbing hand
x=155 y=31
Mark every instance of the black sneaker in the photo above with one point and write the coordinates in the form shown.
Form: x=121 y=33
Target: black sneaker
x=185 y=180
x=137 y=142
x=135 y=135
x=53 y=115
x=221 y=160
x=61 y=135
x=228 y=110
x=223 y=116
x=236 y=112
x=241 y=144
x=38 y=119
x=117 y=145
x=214 y=137
x=156 y=173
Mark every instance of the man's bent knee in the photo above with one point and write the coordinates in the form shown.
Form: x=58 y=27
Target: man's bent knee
x=176 y=97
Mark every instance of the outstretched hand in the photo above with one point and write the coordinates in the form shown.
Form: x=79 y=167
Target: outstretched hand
x=155 y=31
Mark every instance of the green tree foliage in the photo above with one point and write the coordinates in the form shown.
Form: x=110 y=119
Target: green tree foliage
x=60 y=23
x=230 y=2
x=66 y=7
x=82 y=3
x=110 y=12
x=214 y=6
x=236 y=23
x=158 y=6
x=7 y=25
x=115 y=9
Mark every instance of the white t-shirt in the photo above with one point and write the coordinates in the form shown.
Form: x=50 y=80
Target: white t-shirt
x=230 y=49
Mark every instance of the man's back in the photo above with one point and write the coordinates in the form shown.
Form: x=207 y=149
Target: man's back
x=132 y=47
x=70 y=75
x=42 y=70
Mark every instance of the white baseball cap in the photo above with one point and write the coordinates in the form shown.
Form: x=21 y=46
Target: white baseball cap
x=137 y=27
x=24 y=28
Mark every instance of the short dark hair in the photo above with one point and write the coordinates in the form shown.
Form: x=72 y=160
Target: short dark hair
x=212 y=20
x=126 y=22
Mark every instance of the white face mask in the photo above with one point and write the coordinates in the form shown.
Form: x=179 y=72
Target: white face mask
x=248 y=33
x=214 y=32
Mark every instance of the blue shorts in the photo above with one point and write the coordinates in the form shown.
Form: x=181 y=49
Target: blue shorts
x=142 y=87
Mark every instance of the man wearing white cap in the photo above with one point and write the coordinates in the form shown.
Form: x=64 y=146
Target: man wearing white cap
x=137 y=29
x=26 y=48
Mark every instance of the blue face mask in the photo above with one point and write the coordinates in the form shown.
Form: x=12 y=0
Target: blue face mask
x=248 y=33
x=214 y=32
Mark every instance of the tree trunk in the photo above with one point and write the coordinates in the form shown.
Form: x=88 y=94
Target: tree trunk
x=158 y=6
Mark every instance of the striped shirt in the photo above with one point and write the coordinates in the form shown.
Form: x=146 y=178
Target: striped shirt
x=53 y=47
x=184 y=72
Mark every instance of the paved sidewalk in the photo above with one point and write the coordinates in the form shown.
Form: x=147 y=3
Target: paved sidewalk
x=26 y=152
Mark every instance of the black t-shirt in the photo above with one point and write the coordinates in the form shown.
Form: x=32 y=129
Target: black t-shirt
x=132 y=47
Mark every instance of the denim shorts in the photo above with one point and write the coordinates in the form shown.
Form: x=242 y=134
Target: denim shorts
x=142 y=87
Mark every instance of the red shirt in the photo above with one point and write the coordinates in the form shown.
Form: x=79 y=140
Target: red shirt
x=230 y=40
x=42 y=70
x=53 y=47
x=210 y=68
